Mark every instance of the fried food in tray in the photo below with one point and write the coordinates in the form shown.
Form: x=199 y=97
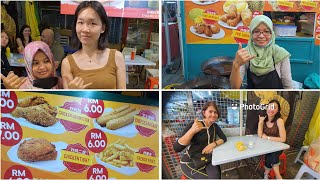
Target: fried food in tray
x=37 y=149
x=118 y=118
x=207 y=29
x=118 y=154
x=37 y=111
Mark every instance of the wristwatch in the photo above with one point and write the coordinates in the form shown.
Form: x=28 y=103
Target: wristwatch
x=268 y=137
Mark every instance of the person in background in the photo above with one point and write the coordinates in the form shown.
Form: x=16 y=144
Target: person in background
x=196 y=137
x=271 y=127
x=266 y=64
x=93 y=65
x=57 y=50
x=40 y=70
x=24 y=38
x=5 y=66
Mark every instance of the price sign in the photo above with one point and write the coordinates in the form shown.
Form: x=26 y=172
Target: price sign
x=8 y=101
x=92 y=107
x=18 y=172
x=96 y=140
x=11 y=132
x=96 y=172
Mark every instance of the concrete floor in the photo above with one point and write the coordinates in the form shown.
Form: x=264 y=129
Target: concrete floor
x=291 y=170
x=172 y=78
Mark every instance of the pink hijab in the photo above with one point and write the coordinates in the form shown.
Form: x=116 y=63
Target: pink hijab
x=29 y=52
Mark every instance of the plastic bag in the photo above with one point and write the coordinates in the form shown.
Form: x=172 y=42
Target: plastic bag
x=312 y=156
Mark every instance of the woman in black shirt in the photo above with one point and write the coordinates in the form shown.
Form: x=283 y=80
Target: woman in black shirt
x=200 y=138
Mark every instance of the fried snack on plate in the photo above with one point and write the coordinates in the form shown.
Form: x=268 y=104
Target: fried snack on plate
x=240 y=146
x=121 y=122
x=246 y=16
x=235 y=21
x=32 y=101
x=118 y=154
x=37 y=149
x=38 y=115
x=232 y=11
x=102 y=120
x=224 y=18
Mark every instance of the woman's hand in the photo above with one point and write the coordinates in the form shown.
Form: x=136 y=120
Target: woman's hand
x=196 y=127
x=264 y=136
x=76 y=83
x=262 y=118
x=242 y=56
x=208 y=149
x=12 y=81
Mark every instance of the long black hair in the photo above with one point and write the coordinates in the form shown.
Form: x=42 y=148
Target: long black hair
x=99 y=9
x=21 y=34
x=278 y=115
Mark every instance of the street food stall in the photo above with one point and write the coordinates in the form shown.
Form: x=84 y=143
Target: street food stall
x=208 y=31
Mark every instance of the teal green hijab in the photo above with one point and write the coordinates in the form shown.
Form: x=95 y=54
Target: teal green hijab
x=263 y=62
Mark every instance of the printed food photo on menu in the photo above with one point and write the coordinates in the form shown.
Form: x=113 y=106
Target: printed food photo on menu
x=79 y=135
x=71 y=44
x=243 y=44
x=240 y=134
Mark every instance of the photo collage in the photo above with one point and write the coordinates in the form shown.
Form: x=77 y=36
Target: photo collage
x=160 y=89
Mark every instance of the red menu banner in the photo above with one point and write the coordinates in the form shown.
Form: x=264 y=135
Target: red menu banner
x=148 y=9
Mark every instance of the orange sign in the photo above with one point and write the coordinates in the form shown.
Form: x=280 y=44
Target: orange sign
x=225 y=22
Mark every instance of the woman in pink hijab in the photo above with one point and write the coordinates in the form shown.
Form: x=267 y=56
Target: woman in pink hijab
x=40 y=69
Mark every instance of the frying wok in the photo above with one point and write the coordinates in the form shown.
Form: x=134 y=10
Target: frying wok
x=206 y=82
x=221 y=65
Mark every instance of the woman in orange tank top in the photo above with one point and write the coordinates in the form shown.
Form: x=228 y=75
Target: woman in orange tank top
x=93 y=66
x=271 y=127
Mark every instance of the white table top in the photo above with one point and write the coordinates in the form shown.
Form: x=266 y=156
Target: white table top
x=138 y=60
x=227 y=152
x=14 y=60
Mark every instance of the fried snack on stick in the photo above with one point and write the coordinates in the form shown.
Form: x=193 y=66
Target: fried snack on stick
x=246 y=16
x=32 y=101
x=235 y=21
x=232 y=12
x=105 y=118
x=120 y=122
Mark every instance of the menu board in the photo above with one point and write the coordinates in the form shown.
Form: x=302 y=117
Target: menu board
x=227 y=22
x=148 y=9
x=317 y=28
x=55 y=136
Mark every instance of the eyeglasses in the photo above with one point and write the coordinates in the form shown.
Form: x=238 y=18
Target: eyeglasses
x=265 y=33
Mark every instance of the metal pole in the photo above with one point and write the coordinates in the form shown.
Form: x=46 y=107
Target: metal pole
x=241 y=112
x=166 y=31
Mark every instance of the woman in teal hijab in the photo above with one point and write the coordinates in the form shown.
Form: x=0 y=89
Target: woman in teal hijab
x=267 y=65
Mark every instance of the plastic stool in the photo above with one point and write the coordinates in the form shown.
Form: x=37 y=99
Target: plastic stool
x=183 y=177
x=308 y=170
x=303 y=148
x=152 y=83
x=282 y=167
